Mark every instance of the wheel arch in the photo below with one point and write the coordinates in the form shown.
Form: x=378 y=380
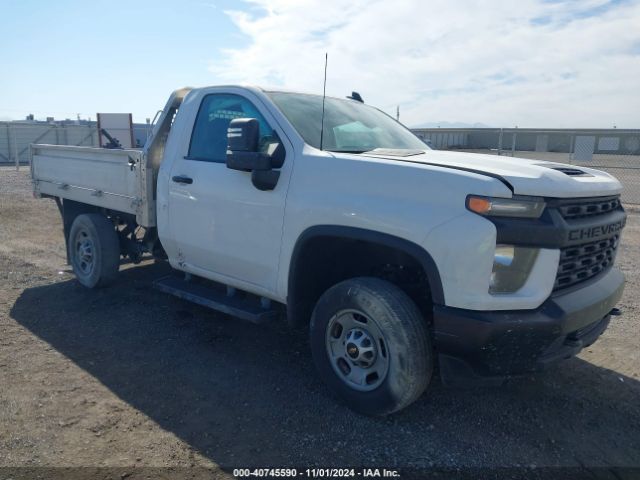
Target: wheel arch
x=308 y=259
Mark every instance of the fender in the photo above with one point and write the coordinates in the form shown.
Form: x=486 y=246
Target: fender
x=353 y=233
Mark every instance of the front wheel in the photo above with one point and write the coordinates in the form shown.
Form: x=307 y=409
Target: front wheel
x=371 y=345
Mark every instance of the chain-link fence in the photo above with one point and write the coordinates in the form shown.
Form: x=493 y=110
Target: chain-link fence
x=615 y=151
x=15 y=138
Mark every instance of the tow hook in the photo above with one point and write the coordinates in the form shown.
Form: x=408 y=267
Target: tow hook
x=615 y=312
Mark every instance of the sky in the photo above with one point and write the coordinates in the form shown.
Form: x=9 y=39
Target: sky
x=500 y=63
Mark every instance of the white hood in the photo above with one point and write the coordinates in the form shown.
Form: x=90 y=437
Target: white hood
x=527 y=176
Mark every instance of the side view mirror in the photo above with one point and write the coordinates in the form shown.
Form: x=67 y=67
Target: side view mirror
x=243 y=136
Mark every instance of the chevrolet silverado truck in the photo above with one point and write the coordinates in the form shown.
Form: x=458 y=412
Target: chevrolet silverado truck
x=329 y=213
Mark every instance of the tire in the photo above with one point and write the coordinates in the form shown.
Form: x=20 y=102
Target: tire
x=94 y=250
x=359 y=313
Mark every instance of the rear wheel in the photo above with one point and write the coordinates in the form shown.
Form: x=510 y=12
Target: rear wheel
x=371 y=345
x=94 y=250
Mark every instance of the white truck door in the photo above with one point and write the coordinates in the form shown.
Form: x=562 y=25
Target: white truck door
x=224 y=228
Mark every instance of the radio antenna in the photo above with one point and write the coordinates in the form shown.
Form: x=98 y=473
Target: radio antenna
x=324 y=95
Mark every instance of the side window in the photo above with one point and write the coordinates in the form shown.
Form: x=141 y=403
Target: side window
x=209 y=137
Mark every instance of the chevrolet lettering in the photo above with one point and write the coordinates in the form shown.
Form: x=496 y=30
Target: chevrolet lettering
x=596 y=232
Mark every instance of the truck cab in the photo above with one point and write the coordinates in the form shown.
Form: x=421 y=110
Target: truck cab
x=399 y=259
x=212 y=219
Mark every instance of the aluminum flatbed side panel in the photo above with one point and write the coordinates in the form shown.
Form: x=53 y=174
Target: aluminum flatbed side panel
x=109 y=178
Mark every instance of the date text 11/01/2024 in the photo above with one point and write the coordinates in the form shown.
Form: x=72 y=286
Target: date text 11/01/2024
x=316 y=472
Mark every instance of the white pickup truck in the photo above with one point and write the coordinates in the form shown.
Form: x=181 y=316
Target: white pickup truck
x=401 y=259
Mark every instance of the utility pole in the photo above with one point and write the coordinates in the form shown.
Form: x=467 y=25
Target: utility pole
x=398 y=113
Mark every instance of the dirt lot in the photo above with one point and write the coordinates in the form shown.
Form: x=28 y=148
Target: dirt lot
x=129 y=377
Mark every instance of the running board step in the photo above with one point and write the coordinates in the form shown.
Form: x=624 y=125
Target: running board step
x=218 y=301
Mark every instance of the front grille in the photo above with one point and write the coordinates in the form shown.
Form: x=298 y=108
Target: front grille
x=581 y=262
x=588 y=207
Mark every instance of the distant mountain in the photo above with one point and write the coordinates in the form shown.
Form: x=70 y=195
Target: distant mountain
x=450 y=125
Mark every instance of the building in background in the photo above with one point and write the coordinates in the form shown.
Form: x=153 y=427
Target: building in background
x=580 y=143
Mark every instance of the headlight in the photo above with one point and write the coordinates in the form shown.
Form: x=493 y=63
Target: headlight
x=506 y=207
x=511 y=268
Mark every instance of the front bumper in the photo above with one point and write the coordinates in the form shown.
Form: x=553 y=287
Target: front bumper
x=488 y=346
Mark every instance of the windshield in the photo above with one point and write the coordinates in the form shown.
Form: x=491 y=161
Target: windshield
x=349 y=126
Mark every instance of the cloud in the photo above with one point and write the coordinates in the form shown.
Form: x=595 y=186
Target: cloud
x=537 y=63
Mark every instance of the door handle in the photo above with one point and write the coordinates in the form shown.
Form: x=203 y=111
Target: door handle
x=182 y=179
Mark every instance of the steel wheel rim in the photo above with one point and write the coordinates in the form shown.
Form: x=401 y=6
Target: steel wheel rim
x=357 y=350
x=84 y=253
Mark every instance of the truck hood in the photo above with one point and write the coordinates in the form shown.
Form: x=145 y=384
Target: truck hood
x=523 y=176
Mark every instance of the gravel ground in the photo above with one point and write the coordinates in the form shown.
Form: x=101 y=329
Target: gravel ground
x=129 y=377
